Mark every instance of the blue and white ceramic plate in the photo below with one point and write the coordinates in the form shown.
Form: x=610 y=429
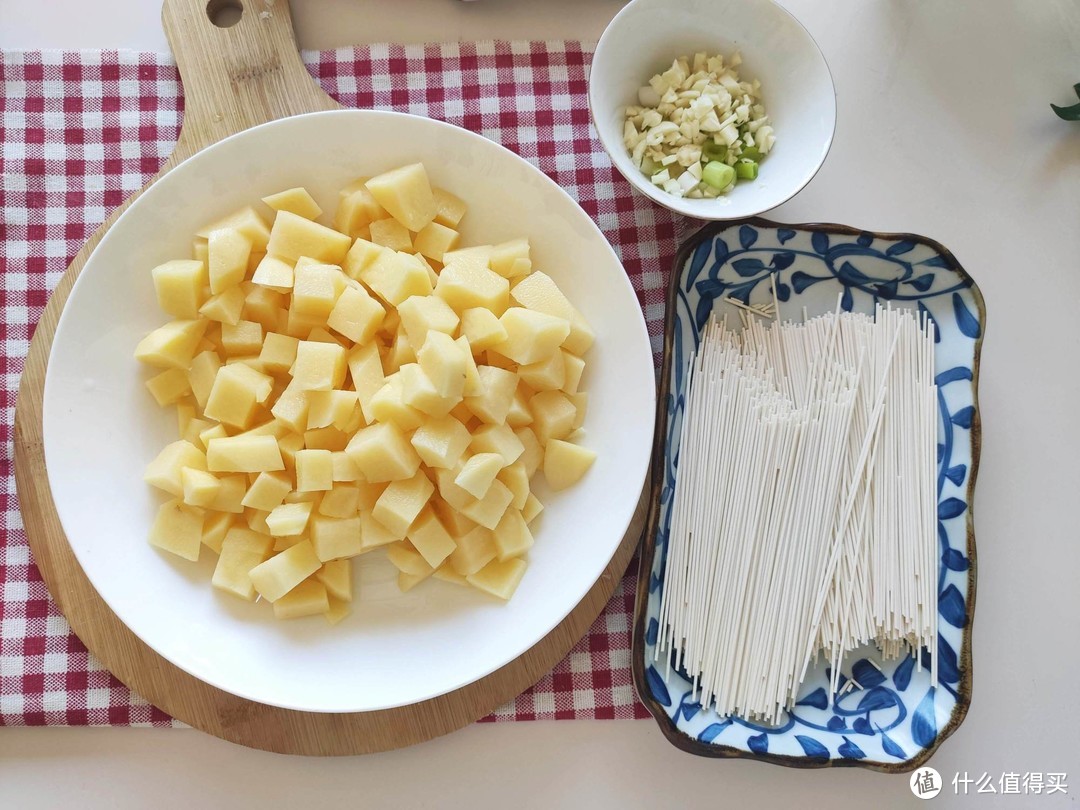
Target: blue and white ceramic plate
x=896 y=720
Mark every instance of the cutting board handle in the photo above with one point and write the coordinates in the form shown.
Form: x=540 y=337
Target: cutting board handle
x=240 y=76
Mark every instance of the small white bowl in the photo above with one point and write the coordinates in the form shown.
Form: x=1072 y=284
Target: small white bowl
x=797 y=88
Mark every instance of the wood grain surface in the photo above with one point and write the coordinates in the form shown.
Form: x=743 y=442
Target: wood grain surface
x=235 y=78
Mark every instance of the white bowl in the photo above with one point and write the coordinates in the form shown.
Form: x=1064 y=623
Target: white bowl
x=797 y=88
x=101 y=428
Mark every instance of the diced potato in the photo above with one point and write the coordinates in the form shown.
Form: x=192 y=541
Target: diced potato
x=345 y=468
x=241 y=339
x=512 y=535
x=430 y=538
x=546 y=374
x=478 y=473
x=581 y=406
x=248 y=222
x=291 y=407
x=215 y=526
x=474 y=550
x=402 y=501
x=449 y=209
x=289 y=519
x=391 y=234
x=316 y=288
x=373 y=534
x=445 y=363
x=267 y=491
x=338 y=610
x=200 y=487
x=178 y=530
x=531 y=335
x=519 y=414
x=200 y=252
x=229 y=254
x=336 y=577
x=201 y=375
x=396 y=276
x=388 y=405
x=309 y=598
x=503 y=256
x=337 y=408
x=236 y=391
x=403 y=555
x=488 y=511
x=194 y=430
x=533 y=452
x=172 y=345
x=169 y=386
x=434 y=240
x=464 y=286
x=249 y=454
x=275 y=272
x=456 y=523
x=493 y=404
x=340 y=502
x=455 y=496
x=493 y=358
x=516 y=478
x=299 y=326
x=553 y=416
x=335 y=538
x=406 y=194
x=498 y=439
x=475 y=257
x=520 y=268
x=421 y=314
x=532 y=508
x=314 y=471
x=278 y=352
x=357 y=209
x=474 y=386
x=441 y=442
x=382 y=453
x=574 y=367
x=318 y=366
x=328 y=438
x=165 y=471
x=356 y=315
x=296 y=200
x=565 y=463
x=179 y=286
x=366 y=372
x=361 y=256
x=418 y=391
x=262 y=305
x=293 y=236
x=401 y=352
x=538 y=292
x=482 y=328
x=226 y=307
x=446 y=573
x=241 y=550
x=499 y=578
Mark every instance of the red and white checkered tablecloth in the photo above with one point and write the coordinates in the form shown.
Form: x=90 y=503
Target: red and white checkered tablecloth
x=80 y=131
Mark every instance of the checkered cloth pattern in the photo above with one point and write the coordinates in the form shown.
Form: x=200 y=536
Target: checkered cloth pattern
x=80 y=131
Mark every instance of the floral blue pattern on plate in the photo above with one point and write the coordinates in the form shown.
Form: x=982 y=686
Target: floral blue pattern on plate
x=896 y=720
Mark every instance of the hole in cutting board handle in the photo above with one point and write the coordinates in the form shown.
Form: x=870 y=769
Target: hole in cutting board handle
x=224 y=13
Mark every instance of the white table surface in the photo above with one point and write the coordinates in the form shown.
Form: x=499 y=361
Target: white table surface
x=943 y=130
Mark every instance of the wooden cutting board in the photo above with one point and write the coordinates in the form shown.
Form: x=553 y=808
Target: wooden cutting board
x=235 y=78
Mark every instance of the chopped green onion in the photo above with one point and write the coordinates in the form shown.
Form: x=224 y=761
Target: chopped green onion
x=751 y=153
x=718 y=175
x=746 y=171
x=711 y=150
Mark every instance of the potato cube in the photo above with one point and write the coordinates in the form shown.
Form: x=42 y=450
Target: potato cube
x=446 y=573
x=201 y=375
x=165 y=471
x=291 y=407
x=531 y=335
x=215 y=527
x=499 y=578
x=297 y=325
x=449 y=491
x=488 y=511
x=516 y=478
x=316 y=288
x=226 y=307
x=336 y=577
x=242 y=339
x=360 y=257
x=237 y=389
x=402 y=501
x=275 y=272
x=318 y=366
x=373 y=534
x=434 y=240
x=546 y=374
x=474 y=550
x=309 y=598
x=200 y=252
x=229 y=254
x=401 y=352
x=250 y=454
x=445 y=363
x=172 y=345
x=356 y=315
x=499 y=439
x=499 y=386
x=297 y=200
x=423 y=313
x=248 y=222
x=533 y=452
x=178 y=530
x=532 y=508
x=512 y=535
x=357 y=209
x=293 y=236
x=388 y=405
x=456 y=523
x=337 y=408
x=278 y=353
x=241 y=550
x=464 y=286
x=430 y=538
x=271 y=427
x=345 y=468
x=267 y=491
x=474 y=386
x=493 y=358
x=553 y=415
x=503 y=256
x=395 y=276
x=338 y=610
x=230 y=496
x=328 y=438
x=482 y=328
x=408 y=561
x=366 y=371
x=538 y=292
x=574 y=367
x=391 y=234
x=406 y=194
x=520 y=268
x=289 y=519
x=519 y=414
x=581 y=405
x=194 y=430
x=478 y=473
x=476 y=256
x=441 y=442
x=200 y=487
x=262 y=305
x=449 y=209
x=314 y=471
x=335 y=538
x=340 y=502
x=382 y=453
x=417 y=391
x=169 y=386
x=179 y=286
x=565 y=463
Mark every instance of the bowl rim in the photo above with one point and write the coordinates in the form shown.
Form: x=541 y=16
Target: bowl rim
x=647 y=551
x=677 y=204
